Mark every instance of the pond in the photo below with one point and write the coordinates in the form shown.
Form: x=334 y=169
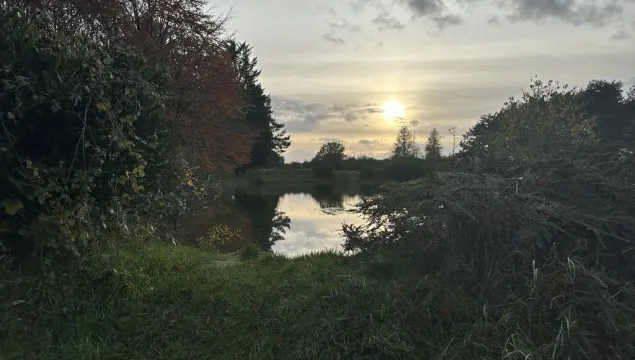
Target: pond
x=291 y=223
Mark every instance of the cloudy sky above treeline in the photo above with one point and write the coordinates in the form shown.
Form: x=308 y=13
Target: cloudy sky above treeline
x=331 y=66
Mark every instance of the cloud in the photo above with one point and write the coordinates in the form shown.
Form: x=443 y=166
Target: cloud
x=425 y=7
x=444 y=21
x=493 y=21
x=304 y=116
x=622 y=35
x=328 y=140
x=338 y=26
x=415 y=123
x=359 y=6
x=332 y=39
x=576 y=12
x=369 y=143
x=343 y=25
x=385 y=21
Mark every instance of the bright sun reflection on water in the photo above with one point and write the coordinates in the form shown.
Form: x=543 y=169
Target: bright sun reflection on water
x=393 y=110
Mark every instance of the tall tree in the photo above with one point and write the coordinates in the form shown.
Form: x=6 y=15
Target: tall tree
x=204 y=100
x=405 y=145
x=433 y=146
x=330 y=154
x=272 y=140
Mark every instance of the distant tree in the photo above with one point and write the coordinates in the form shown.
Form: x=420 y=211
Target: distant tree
x=331 y=154
x=272 y=140
x=405 y=145
x=433 y=146
x=604 y=101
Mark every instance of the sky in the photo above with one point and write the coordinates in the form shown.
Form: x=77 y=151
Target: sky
x=332 y=66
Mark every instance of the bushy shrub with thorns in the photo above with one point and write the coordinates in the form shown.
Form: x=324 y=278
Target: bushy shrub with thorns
x=544 y=262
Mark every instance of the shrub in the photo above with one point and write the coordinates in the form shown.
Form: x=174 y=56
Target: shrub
x=79 y=127
x=250 y=251
x=563 y=257
x=532 y=252
x=219 y=235
x=367 y=173
x=323 y=172
x=407 y=168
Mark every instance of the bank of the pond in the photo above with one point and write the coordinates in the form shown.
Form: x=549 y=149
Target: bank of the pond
x=277 y=181
x=168 y=302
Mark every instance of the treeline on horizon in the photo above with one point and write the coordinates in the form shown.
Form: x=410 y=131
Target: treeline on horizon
x=606 y=106
x=114 y=114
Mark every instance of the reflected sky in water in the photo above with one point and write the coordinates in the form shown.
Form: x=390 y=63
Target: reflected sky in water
x=316 y=222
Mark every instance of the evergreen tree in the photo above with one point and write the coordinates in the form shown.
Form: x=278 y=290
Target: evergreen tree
x=272 y=140
x=405 y=145
x=433 y=147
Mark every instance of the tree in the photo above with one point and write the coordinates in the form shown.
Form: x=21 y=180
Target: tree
x=204 y=100
x=272 y=140
x=330 y=154
x=405 y=145
x=433 y=146
x=604 y=101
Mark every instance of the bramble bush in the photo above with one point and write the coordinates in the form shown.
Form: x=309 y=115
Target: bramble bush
x=86 y=151
x=534 y=251
x=79 y=122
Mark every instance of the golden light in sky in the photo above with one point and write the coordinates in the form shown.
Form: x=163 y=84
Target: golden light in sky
x=393 y=110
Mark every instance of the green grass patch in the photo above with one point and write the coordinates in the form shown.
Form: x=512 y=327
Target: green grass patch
x=182 y=303
x=168 y=302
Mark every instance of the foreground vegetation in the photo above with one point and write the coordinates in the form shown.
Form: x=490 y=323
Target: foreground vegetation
x=167 y=302
x=523 y=249
x=180 y=303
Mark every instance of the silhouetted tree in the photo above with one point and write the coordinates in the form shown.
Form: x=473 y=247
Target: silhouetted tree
x=433 y=146
x=604 y=101
x=272 y=140
x=405 y=145
x=330 y=155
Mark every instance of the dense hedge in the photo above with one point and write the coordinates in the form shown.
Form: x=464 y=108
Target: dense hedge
x=80 y=125
x=533 y=244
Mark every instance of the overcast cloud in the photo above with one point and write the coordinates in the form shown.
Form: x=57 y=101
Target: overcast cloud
x=330 y=65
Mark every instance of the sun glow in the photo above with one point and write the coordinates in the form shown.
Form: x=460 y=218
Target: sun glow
x=393 y=110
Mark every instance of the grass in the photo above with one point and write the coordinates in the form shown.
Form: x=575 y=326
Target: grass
x=166 y=302
x=136 y=304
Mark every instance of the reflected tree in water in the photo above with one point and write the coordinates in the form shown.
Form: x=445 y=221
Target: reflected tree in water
x=267 y=225
x=324 y=195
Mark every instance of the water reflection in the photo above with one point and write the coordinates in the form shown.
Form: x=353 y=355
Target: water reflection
x=297 y=223
x=268 y=225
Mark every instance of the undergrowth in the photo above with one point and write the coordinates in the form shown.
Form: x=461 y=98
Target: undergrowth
x=167 y=302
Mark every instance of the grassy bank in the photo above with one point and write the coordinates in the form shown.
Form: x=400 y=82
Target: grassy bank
x=181 y=303
x=277 y=181
x=136 y=304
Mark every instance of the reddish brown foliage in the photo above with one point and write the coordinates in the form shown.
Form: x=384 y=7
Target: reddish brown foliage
x=205 y=99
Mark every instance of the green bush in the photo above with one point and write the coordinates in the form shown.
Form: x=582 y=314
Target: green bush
x=323 y=172
x=367 y=173
x=250 y=251
x=535 y=248
x=407 y=168
x=79 y=128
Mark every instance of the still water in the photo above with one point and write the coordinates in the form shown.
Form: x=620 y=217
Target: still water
x=289 y=223
x=315 y=223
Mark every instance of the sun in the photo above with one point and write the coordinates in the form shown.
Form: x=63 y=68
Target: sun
x=393 y=110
